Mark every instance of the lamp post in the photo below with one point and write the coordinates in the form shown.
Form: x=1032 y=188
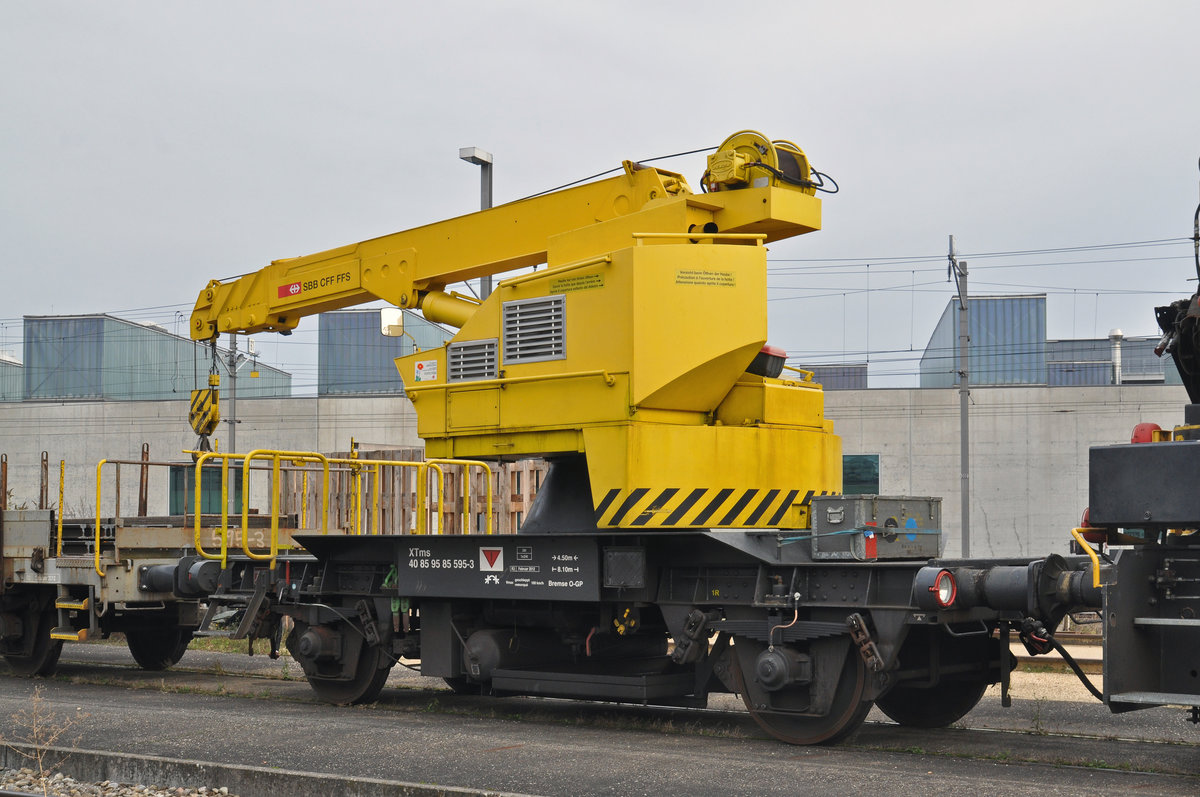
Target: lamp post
x=483 y=160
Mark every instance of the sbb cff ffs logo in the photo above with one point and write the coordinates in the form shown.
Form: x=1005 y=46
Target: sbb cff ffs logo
x=296 y=288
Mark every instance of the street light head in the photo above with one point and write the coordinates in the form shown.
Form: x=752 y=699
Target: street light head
x=475 y=155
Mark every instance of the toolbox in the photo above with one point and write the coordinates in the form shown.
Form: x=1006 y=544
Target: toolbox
x=869 y=527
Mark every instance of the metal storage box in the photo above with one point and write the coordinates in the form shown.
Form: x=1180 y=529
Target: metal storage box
x=866 y=527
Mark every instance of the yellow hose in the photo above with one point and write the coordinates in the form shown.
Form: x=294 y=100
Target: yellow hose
x=1087 y=546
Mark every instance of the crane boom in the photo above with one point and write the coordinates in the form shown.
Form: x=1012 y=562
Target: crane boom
x=627 y=361
x=404 y=268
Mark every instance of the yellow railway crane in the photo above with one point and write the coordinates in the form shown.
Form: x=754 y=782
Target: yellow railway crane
x=629 y=360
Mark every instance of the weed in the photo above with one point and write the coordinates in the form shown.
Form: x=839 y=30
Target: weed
x=1038 y=727
x=38 y=727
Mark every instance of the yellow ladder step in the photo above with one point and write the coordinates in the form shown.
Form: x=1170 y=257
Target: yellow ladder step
x=69 y=634
x=69 y=603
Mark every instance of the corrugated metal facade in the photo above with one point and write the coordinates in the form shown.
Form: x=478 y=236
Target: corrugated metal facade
x=354 y=357
x=12 y=380
x=101 y=357
x=1078 y=374
x=1139 y=363
x=1090 y=362
x=845 y=376
x=1007 y=346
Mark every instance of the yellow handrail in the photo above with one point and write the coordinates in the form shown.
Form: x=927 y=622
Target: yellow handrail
x=610 y=379
x=467 y=464
x=356 y=466
x=199 y=506
x=555 y=272
x=99 y=495
x=697 y=235
x=1087 y=546
x=275 y=457
x=806 y=375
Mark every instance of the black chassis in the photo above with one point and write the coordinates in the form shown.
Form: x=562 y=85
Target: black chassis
x=638 y=617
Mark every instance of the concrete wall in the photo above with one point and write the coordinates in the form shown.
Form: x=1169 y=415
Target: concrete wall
x=1029 y=452
x=85 y=432
x=1029 y=447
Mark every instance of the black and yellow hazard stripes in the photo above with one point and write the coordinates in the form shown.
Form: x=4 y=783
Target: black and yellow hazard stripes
x=714 y=507
x=204 y=412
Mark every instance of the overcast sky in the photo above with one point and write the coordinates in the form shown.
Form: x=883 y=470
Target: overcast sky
x=149 y=147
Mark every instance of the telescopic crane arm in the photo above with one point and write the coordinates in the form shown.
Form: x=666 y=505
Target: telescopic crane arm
x=411 y=269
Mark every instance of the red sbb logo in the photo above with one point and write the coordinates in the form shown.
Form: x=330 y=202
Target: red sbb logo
x=291 y=289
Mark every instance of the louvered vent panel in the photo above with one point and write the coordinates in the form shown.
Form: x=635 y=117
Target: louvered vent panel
x=474 y=359
x=535 y=329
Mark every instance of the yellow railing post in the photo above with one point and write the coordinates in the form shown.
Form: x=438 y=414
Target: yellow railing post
x=99 y=470
x=199 y=508
x=375 y=519
x=303 y=498
x=358 y=499
x=422 y=489
x=62 y=477
x=441 y=492
x=276 y=457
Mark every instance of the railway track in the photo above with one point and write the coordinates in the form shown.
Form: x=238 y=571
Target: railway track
x=232 y=709
x=1075 y=713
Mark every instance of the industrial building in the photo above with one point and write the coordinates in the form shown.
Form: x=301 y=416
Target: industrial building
x=1008 y=346
x=12 y=378
x=104 y=358
x=839 y=376
x=354 y=358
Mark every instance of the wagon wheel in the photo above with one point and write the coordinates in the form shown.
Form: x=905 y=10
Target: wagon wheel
x=364 y=687
x=157 y=648
x=932 y=707
x=43 y=658
x=786 y=715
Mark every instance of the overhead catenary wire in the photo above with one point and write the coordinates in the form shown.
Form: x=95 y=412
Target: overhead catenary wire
x=613 y=170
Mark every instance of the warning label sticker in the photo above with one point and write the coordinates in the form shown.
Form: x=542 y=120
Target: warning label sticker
x=701 y=276
x=425 y=371
x=491 y=560
x=578 y=282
